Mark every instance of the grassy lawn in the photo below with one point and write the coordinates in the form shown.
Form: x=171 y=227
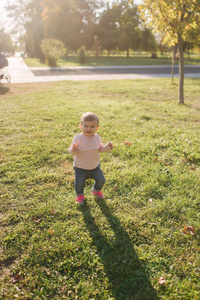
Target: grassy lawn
x=116 y=61
x=142 y=242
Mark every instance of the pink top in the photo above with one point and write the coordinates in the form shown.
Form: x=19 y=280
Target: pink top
x=87 y=155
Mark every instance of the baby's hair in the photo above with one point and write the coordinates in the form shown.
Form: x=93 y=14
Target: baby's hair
x=89 y=117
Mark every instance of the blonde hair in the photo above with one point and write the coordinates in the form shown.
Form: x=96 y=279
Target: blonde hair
x=89 y=117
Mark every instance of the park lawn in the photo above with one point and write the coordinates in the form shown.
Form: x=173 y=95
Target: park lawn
x=142 y=242
x=136 y=60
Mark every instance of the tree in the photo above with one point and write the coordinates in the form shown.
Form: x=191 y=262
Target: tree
x=68 y=21
x=128 y=27
x=6 y=43
x=107 y=29
x=179 y=18
x=118 y=26
x=26 y=15
x=148 y=42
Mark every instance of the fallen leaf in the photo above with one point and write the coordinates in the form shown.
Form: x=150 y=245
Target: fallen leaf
x=38 y=221
x=63 y=289
x=189 y=230
x=53 y=211
x=156 y=159
x=47 y=271
x=115 y=187
x=127 y=143
x=161 y=280
x=16 y=279
x=51 y=231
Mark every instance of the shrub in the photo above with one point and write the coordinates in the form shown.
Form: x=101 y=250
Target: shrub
x=52 y=49
x=81 y=56
x=154 y=55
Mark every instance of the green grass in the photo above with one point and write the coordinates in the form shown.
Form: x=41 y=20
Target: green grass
x=112 y=249
x=116 y=61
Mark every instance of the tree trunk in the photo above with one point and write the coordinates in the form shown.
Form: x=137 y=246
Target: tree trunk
x=173 y=60
x=127 y=52
x=173 y=57
x=181 y=70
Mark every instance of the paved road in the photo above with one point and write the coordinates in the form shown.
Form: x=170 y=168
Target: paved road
x=20 y=73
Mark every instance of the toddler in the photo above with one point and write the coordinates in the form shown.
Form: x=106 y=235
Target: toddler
x=85 y=148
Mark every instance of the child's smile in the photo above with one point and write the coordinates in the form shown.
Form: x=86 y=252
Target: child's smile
x=89 y=128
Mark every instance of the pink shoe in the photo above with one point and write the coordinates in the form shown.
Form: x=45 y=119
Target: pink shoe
x=80 y=199
x=98 y=195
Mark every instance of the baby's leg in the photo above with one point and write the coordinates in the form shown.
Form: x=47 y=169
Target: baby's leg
x=80 y=178
x=99 y=178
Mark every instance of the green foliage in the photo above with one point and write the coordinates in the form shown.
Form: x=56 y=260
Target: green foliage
x=108 y=32
x=72 y=21
x=26 y=18
x=114 y=249
x=179 y=20
x=6 y=44
x=175 y=18
x=148 y=42
x=52 y=50
x=129 y=37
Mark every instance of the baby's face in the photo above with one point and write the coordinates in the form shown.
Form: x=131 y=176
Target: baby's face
x=89 y=128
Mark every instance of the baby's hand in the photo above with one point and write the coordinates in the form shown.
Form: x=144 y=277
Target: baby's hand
x=110 y=145
x=74 y=147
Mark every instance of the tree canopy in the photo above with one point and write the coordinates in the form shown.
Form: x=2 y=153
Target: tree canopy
x=68 y=21
x=76 y=23
x=6 y=44
x=103 y=24
x=179 y=19
x=28 y=23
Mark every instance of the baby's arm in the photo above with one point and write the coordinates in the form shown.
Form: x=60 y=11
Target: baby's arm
x=107 y=147
x=73 y=149
x=110 y=144
x=74 y=146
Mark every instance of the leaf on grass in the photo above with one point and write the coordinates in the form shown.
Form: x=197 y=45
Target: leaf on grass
x=38 y=220
x=116 y=185
x=16 y=278
x=127 y=143
x=51 y=231
x=161 y=280
x=53 y=211
x=64 y=288
x=47 y=271
x=189 y=230
x=156 y=159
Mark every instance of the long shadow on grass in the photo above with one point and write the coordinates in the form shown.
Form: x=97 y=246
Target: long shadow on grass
x=124 y=270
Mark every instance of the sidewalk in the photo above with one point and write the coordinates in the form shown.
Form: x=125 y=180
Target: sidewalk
x=18 y=70
x=20 y=73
